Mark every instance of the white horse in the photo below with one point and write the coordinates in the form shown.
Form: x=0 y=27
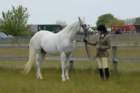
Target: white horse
x=44 y=42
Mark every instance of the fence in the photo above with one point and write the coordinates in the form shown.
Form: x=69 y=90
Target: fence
x=121 y=44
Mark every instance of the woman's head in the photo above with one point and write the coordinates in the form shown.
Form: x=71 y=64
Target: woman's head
x=101 y=28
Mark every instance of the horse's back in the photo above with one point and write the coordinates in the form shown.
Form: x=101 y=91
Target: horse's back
x=41 y=34
x=38 y=36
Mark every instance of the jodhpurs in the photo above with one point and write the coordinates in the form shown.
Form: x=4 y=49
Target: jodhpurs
x=102 y=62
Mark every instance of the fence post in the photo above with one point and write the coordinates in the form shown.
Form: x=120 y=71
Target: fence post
x=114 y=58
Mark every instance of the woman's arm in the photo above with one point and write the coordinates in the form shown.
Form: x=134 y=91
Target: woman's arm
x=93 y=44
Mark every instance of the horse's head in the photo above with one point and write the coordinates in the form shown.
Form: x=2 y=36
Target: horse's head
x=72 y=29
x=83 y=25
x=85 y=30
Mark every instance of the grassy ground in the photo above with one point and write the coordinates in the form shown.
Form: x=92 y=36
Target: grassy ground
x=84 y=79
x=78 y=52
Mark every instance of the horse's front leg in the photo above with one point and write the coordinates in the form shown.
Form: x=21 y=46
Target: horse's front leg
x=63 y=67
x=39 y=59
x=68 y=59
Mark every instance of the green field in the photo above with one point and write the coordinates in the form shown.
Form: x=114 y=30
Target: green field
x=84 y=79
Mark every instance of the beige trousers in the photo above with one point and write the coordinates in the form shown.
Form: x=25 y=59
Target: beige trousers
x=102 y=62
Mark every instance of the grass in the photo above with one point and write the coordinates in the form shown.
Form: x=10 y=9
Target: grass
x=14 y=51
x=78 y=52
x=84 y=79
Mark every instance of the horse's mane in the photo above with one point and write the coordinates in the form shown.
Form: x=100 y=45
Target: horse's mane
x=69 y=27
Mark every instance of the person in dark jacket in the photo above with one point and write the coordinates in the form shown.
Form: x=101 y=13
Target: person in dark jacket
x=102 y=45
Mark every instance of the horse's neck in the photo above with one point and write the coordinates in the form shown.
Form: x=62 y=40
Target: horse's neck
x=69 y=32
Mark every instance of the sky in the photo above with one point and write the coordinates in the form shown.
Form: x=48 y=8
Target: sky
x=50 y=11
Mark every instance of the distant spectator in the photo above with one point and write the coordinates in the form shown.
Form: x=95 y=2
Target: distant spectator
x=118 y=31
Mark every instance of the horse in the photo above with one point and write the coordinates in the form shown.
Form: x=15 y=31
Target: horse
x=45 y=42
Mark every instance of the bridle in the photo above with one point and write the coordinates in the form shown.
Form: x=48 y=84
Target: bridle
x=84 y=27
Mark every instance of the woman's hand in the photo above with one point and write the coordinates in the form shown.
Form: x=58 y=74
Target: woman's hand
x=85 y=40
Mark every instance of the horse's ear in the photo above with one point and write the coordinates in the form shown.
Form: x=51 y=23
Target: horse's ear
x=80 y=20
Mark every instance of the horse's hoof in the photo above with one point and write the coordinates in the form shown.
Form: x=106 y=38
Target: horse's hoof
x=39 y=77
x=67 y=78
x=63 y=80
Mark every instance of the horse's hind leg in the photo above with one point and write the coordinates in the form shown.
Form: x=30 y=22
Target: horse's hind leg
x=39 y=59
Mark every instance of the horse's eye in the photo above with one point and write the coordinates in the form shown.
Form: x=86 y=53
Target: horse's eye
x=84 y=25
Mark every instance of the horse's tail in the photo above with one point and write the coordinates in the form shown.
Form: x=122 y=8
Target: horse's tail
x=30 y=61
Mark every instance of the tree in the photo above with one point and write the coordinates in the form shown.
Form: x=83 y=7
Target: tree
x=14 y=21
x=137 y=21
x=109 y=20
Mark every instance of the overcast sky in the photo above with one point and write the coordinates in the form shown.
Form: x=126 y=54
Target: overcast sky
x=50 y=11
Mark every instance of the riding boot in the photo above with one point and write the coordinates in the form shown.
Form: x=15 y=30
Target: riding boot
x=107 y=73
x=101 y=72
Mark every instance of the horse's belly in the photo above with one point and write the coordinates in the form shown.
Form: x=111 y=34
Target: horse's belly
x=50 y=49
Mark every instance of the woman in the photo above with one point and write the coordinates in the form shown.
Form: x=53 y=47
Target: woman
x=102 y=46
